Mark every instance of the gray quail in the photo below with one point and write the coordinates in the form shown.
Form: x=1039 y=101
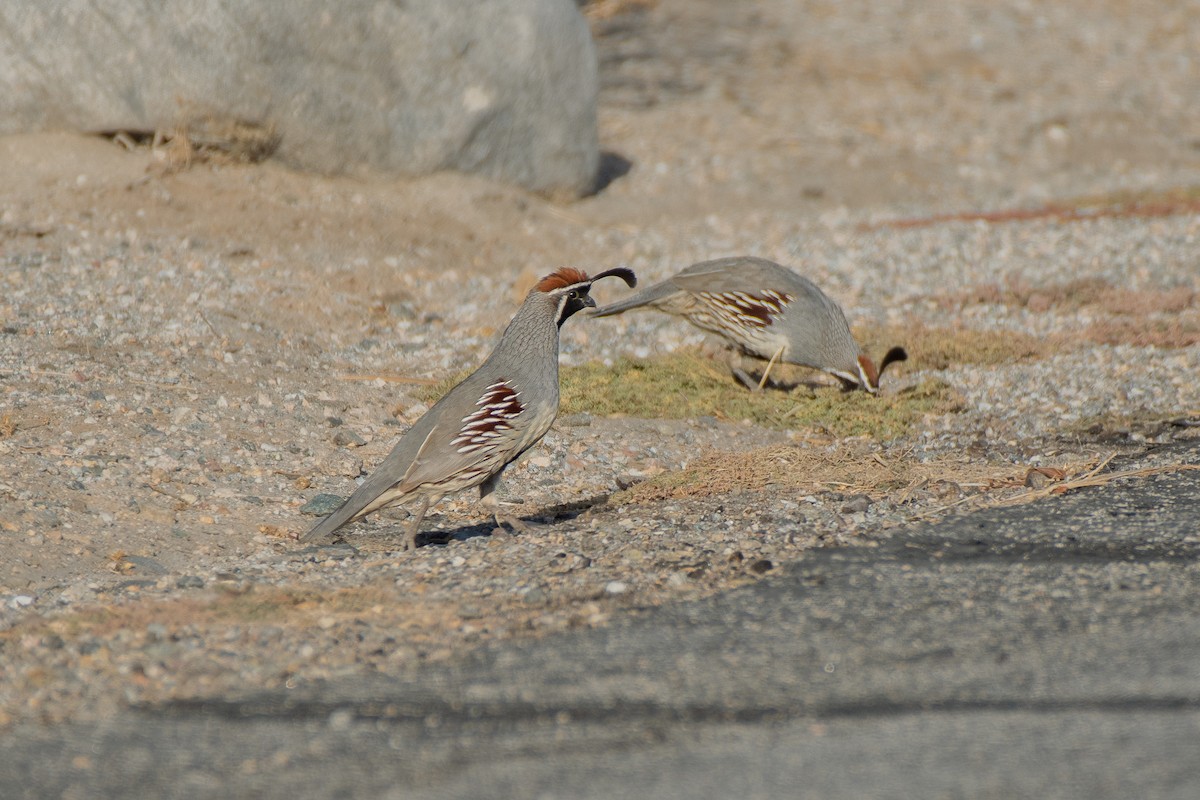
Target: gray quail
x=485 y=422
x=766 y=311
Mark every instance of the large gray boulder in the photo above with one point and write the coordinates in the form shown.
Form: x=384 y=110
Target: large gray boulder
x=506 y=88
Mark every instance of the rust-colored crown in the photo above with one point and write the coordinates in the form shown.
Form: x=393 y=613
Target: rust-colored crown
x=566 y=276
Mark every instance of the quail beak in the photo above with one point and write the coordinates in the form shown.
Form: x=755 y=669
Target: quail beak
x=852 y=383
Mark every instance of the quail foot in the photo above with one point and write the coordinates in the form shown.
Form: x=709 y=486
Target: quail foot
x=766 y=311
x=485 y=422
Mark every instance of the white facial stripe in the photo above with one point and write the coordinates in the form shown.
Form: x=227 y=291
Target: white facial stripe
x=572 y=287
x=864 y=380
x=562 y=304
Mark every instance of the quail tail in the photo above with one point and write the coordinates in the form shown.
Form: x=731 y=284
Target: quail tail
x=362 y=501
x=337 y=519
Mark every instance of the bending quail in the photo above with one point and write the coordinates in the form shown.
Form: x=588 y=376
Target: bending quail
x=485 y=422
x=767 y=311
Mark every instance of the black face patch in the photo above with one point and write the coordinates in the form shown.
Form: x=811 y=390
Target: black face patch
x=574 y=301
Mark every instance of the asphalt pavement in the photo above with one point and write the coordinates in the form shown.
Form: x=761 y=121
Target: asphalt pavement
x=1046 y=650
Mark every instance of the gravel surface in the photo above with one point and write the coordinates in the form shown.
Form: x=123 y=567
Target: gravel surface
x=188 y=357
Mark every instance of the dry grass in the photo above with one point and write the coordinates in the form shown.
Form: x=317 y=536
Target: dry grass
x=1169 y=334
x=202 y=139
x=1145 y=204
x=1163 y=318
x=939 y=348
x=254 y=605
x=1092 y=293
x=853 y=468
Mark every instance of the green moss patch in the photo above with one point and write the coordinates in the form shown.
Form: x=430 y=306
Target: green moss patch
x=686 y=385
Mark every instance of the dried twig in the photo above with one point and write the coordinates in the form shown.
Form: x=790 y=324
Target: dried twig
x=1092 y=479
x=164 y=492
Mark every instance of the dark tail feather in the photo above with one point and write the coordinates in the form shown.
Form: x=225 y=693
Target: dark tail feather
x=344 y=513
x=363 y=498
x=892 y=356
x=618 y=272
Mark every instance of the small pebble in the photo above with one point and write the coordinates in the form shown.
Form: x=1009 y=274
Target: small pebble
x=322 y=505
x=858 y=504
x=344 y=437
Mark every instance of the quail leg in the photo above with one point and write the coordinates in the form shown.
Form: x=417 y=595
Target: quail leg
x=414 y=527
x=744 y=379
x=488 y=497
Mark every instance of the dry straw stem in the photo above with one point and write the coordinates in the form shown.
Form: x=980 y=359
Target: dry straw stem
x=9 y=424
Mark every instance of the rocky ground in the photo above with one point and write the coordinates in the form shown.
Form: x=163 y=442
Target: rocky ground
x=192 y=351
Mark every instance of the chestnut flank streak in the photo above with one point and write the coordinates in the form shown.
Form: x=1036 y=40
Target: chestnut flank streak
x=756 y=310
x=482 y=429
